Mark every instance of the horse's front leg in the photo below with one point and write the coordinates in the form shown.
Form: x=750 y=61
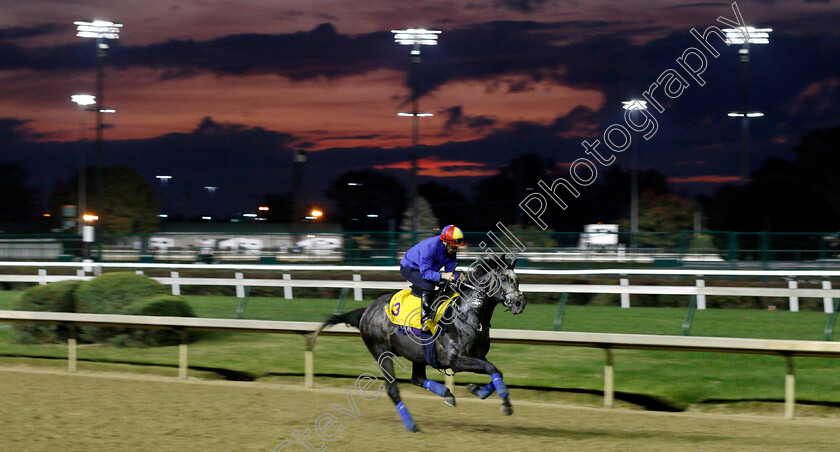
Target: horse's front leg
x=418 y=378
x=480 y=366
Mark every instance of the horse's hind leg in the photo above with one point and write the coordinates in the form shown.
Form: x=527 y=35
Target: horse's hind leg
x=387 y=365
x=418 y=378
x=480 y=366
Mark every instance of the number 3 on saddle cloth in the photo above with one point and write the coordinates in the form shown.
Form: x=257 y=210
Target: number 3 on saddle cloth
x=405 y=311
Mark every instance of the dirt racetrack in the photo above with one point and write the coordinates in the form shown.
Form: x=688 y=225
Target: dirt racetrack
x=43 y=410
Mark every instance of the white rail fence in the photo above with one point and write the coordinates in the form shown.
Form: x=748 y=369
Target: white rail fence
x=282 y=277
x=787 y=349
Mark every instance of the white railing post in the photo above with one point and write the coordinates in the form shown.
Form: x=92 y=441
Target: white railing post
x=287 y=290
x=625 y=297
x=176 y=288
x=609 y=388
x=182 y=355
x=357 y=291
x=240 y=289
x=71 y=348
x=42 y=274
x=790 y=389
x=828 y=306
x=794 y=300
x=701 y=298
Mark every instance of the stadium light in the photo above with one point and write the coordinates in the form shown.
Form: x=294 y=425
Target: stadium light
x=99 y=29
x=415 y=37
x=83 y=100
x=745 y=36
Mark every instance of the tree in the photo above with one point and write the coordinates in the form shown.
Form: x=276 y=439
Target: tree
x=664 y=213
x=783 y=195
x=448 y=205
x=497 y=197
x=359 y=195
x=19 y=202
x=426 y=223
x=129 y=205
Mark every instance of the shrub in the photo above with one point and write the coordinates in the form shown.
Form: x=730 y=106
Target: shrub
x=160 y=305
x=114 y=293
x=55 y=297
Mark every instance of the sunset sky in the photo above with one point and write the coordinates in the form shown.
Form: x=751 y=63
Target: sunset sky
x=222 y=92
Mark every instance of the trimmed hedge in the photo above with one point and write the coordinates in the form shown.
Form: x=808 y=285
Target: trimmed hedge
x=114 y=293
x=55 y=297
x=160 y=305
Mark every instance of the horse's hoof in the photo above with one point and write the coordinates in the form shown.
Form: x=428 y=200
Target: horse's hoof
x=449 y=399
x=507 y=410
x=473 y=388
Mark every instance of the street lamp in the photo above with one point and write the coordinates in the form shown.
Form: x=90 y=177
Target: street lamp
x=84 y=101
x=100 y=30
x=746 y=36
x=414 y=37
x=634 y=105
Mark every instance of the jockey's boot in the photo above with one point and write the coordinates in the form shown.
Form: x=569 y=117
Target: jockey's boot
x=426 y=310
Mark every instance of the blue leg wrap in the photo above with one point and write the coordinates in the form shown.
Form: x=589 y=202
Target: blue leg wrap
x=485 y=392
x=435 y=387
x=500 y=386
x=407 y=420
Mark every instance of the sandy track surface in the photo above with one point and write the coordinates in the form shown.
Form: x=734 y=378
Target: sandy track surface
x=44 y=410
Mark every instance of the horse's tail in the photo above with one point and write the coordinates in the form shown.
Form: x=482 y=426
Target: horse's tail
x=352 y=318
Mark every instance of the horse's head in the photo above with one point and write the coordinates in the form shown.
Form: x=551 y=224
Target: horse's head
x=496 y=278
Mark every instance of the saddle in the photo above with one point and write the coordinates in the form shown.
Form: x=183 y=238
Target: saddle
x=405 y=311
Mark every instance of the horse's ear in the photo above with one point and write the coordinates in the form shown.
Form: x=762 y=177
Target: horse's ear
x=512 y=263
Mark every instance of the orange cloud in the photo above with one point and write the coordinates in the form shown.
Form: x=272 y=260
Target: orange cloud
x=442 y=168
x=709 y=178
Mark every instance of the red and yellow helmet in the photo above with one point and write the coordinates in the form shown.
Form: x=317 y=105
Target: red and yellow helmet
x=453 y=236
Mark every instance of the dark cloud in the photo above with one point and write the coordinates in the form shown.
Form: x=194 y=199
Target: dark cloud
x=32 y=32
x=522 y=6
x=455 y=117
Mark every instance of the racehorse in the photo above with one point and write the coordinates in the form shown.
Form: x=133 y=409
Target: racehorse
x=461 y=345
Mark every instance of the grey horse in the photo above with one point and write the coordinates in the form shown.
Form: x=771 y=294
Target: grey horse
x=461 y=345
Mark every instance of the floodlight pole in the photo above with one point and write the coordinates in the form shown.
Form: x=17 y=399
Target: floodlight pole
x=634 y=179
x=415 y=38
x=746 y=36
x=100 y=30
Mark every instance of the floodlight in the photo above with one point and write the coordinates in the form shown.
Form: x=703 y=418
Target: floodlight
x=99 y=29
x=634 y=105
x=416 y=36
x=747 y=35
x=83 y=99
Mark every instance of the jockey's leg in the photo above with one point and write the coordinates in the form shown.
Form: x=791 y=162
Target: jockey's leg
x=427 y=312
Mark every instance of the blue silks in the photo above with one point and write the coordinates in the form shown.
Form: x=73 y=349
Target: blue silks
x=435 y=387
x=500 y=386
x=485 y=392
x=407 y=420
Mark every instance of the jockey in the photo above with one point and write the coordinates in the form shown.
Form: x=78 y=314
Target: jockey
x=422 y=263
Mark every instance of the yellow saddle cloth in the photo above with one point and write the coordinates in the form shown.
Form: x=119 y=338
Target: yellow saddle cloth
x=405 y=310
